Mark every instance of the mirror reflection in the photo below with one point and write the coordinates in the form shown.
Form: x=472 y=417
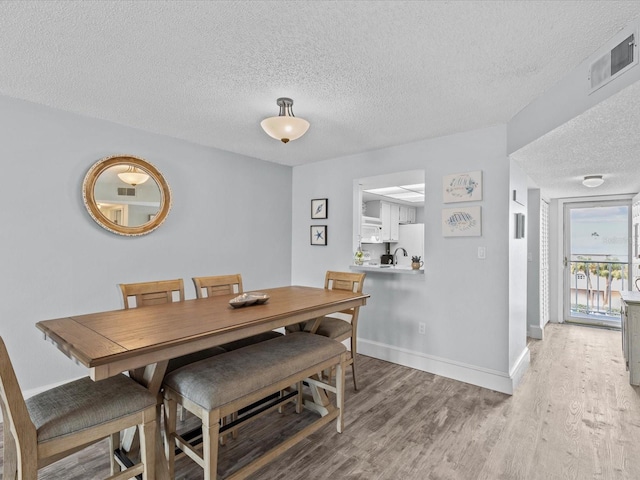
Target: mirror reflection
x=126 y=195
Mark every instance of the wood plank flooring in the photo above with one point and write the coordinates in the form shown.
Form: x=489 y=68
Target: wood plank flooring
x=574 y=416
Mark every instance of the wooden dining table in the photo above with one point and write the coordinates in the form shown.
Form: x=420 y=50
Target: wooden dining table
x=143 y=340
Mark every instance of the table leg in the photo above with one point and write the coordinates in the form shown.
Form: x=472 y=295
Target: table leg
x=151 y=377
x=319 y=400
x=313 y=325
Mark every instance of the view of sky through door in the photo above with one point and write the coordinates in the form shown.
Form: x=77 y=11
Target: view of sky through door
x=600 y=233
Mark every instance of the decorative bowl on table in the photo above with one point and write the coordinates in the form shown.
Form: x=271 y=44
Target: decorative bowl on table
x=247 y=299
x=242 y=300
x=260 y=297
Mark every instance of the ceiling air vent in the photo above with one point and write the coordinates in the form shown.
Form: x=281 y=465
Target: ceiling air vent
x=614 y=63
x=126 y=192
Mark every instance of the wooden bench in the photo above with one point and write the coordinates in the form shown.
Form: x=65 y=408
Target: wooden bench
x=219 y=386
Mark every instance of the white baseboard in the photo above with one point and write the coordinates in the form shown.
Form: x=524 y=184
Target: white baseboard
x=520 y=367
x=483 y=377
x=535 y=331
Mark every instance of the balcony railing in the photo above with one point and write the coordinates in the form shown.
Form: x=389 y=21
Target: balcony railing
x=596 y=287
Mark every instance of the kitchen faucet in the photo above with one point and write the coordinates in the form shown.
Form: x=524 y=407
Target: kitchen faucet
x=395 y=257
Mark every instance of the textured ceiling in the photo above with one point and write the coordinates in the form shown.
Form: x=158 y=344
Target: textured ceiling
x=365 y=74
x=604 y=140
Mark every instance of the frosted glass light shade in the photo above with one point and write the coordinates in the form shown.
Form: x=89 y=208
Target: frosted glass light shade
x=593 y=181
x=133 y=176
x=285 y=127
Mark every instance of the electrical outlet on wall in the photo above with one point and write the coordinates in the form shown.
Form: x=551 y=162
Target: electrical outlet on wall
x=422 y=328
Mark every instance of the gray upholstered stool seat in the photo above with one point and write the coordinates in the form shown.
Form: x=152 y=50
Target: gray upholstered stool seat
x=219 y=380
x=84 y=404
x=244 y=342
x=179 y=362
x=330 y=326
x=224 y=384
x=333 y=327
x=61 y=421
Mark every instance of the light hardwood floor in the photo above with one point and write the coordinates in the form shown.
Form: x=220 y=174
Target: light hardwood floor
x=574 y=416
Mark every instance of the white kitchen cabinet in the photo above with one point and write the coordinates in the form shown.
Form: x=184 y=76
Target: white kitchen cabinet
x=389 y=215
x=385 y=217
x=635 y=234
x=407 y=215
x=631 y=334
x=394 y=222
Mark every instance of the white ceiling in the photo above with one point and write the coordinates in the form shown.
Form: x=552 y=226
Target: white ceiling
x=365 y=74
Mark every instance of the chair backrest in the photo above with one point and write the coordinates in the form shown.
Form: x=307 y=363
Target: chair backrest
x=218 y=285
x=345 y=281
x=152 y=293
x=14 y=409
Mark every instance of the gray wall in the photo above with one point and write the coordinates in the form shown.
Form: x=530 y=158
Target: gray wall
x=568 y=98
x=230 y=214
x=236 y=214
x=464 y=301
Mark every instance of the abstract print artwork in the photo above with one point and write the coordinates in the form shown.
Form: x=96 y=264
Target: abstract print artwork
x=320 y=208
x=462 y=187
x=461 y=222
x=318 y=234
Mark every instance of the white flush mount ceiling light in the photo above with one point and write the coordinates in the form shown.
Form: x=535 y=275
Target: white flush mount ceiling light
x=133 y=176
x=285 y=127
x=592 y=181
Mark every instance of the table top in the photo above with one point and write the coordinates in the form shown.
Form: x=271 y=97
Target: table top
x=115 y=341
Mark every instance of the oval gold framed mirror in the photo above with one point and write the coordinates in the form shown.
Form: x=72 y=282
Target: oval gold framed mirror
x=126 y=195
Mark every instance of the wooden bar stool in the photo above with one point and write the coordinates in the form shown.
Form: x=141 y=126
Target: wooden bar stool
x=157 y=293
x=342 y=325
x=59 y=422
x=228 y=285
x=221 y=385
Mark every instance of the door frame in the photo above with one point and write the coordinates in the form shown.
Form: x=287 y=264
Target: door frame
x=588 y=202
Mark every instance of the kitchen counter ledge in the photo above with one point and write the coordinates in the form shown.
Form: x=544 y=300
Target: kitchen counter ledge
x=386 y=270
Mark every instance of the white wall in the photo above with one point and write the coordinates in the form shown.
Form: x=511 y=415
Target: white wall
x=463 y=300
x=518 y=351
x=535 y=328
x=230 y=214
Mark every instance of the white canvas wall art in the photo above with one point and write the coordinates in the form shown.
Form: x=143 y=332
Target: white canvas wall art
x=461 y=222
x=462 y=187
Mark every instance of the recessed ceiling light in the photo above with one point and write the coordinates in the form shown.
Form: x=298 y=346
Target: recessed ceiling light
x=385 y=190
x=408 y=196
x=418 y=187
x=409 y=193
